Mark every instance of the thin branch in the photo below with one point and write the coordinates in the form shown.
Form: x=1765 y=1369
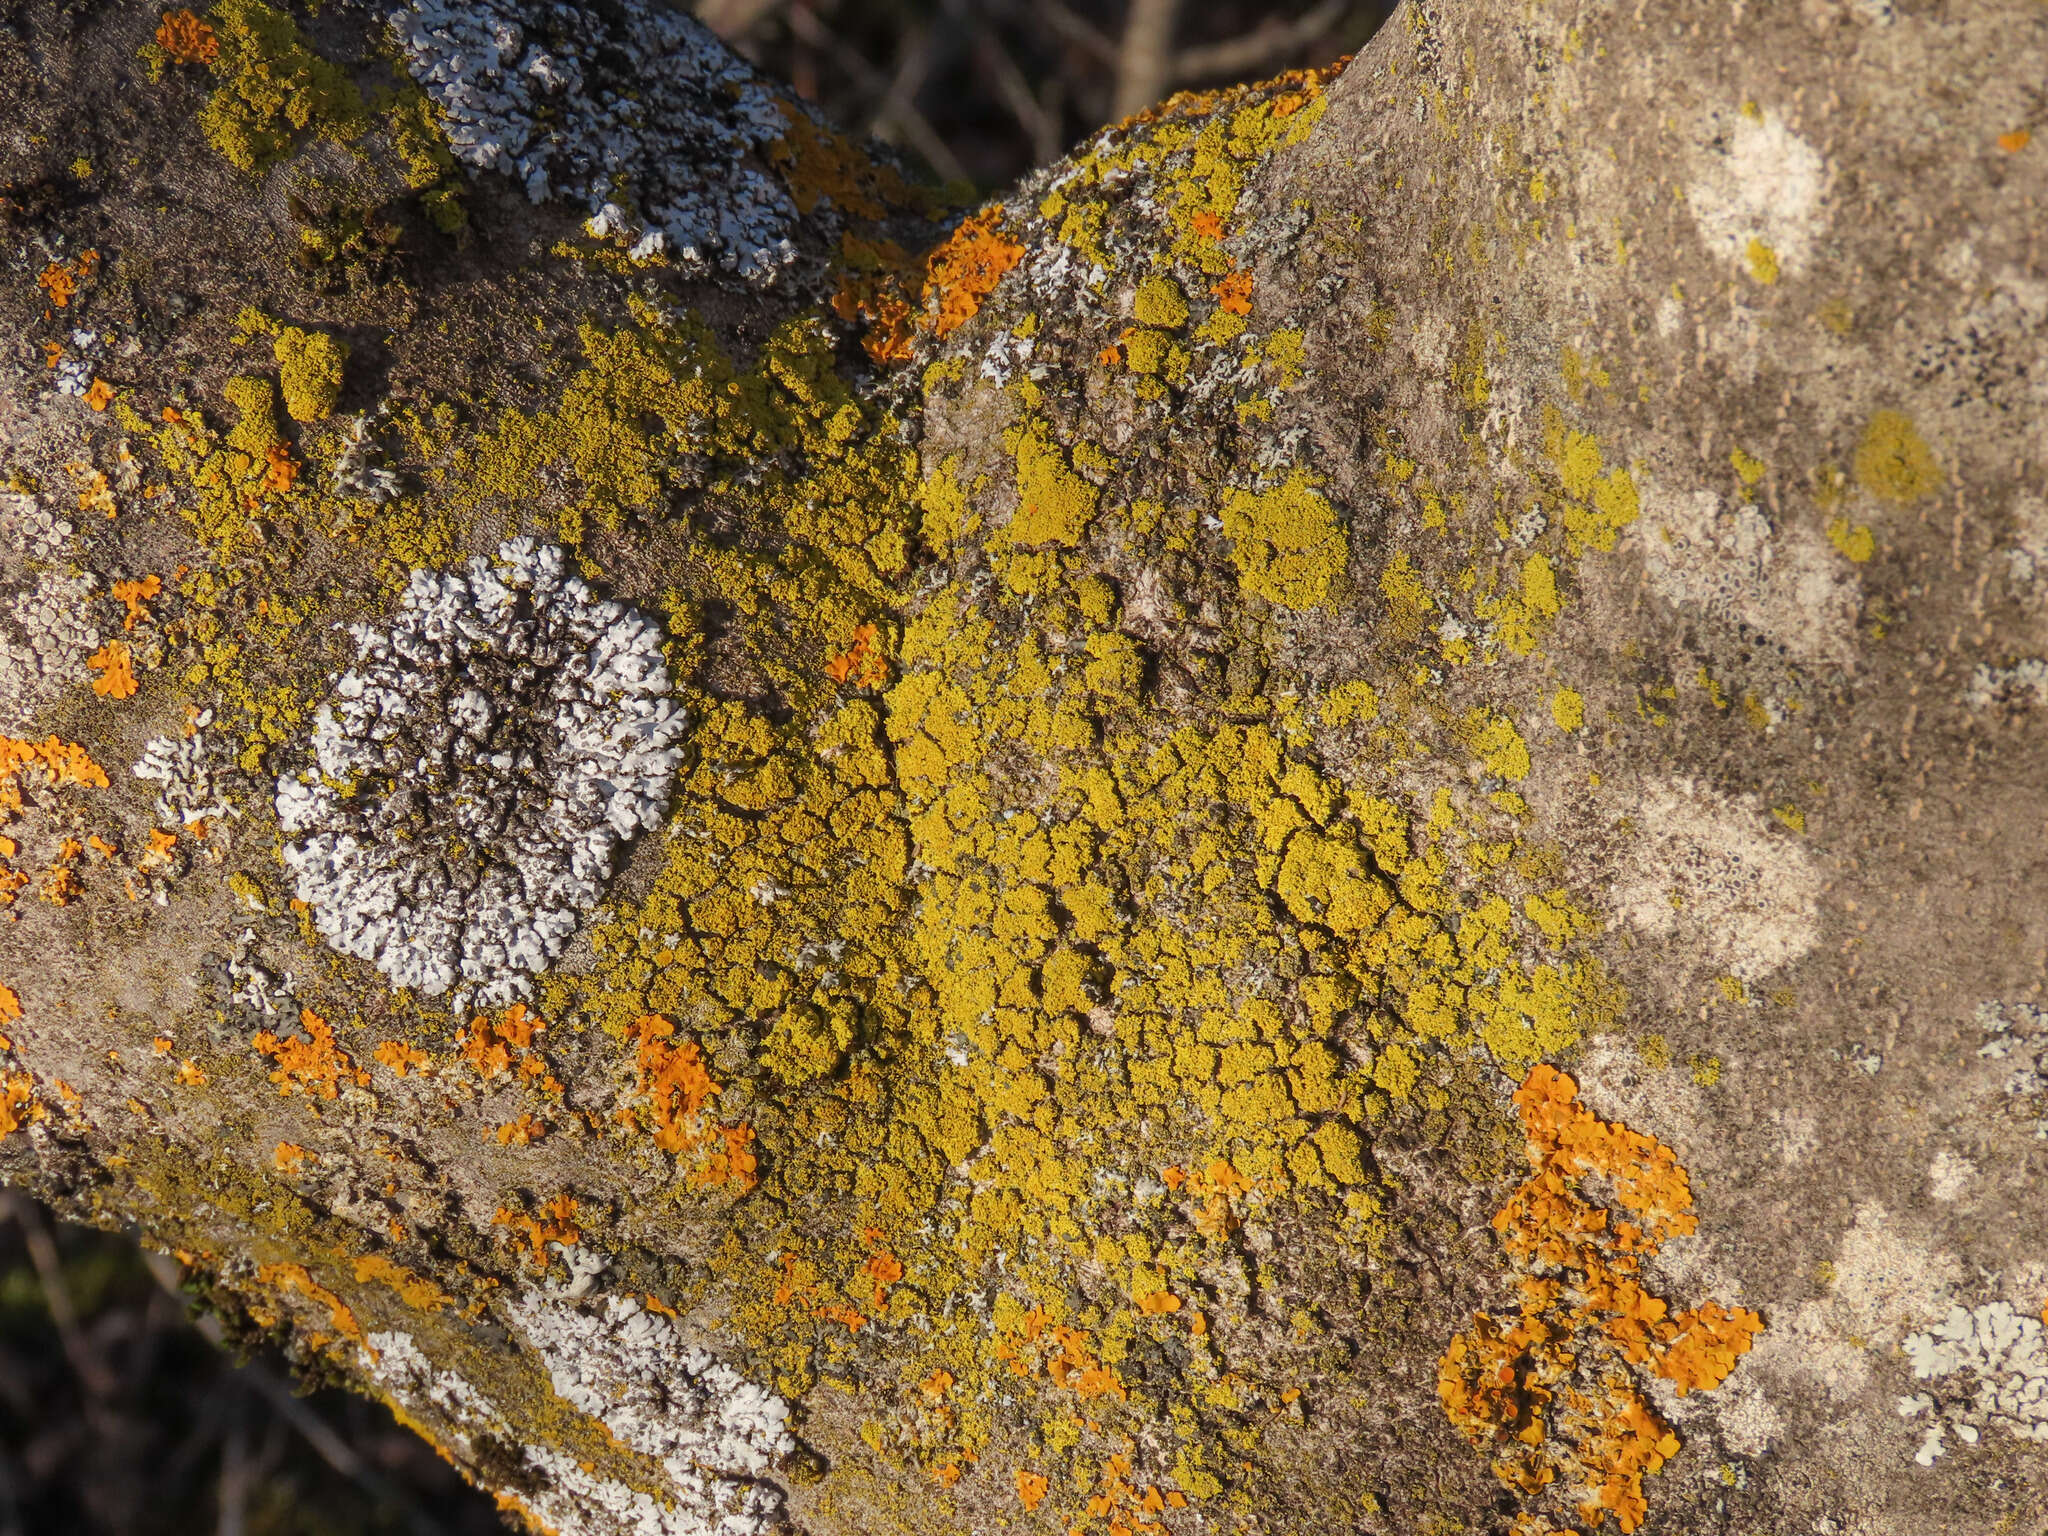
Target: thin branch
x=1074 y=29
x=896 y=117
x=1015 y=91
x=1260 y=49
x=733 y=19
x=42 y=1253
x=1144 y=60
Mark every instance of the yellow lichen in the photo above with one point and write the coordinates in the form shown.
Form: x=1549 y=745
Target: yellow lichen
x=272 y=88
x=1286 y=542
x=309 y=365
x=1893 y=462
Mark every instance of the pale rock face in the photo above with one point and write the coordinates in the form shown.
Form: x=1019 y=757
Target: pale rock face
x=670 y=112
x=476 y=771
x=1703 y=553
x=1713 y=870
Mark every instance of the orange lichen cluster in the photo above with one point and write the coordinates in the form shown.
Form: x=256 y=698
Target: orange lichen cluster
x=280 y=469
x=295 y=1277
x=555 y=1222
x=1234 y=293
x=115 y=663
x=882 y=1268
x=314 y=1066
x=191 y=1074
x=289 y=1157
x=862 y=663
x=965 y=270
x=401 y=1058
x=416 y=1291
x=674 y=1081
x=99 y=395
x=10 y=1005
x=18 y=1104
x=1550 y=1392
x=817 y=164
x=880 y=300
x=1216 y=1188
x=492 y=1048
x=134 y=595
x=59 y=280
x=1066 y=1355
x=523 y=1132
x=58 y=764
x=186 y=39
x=1031 y=1488
x=1127 y=1508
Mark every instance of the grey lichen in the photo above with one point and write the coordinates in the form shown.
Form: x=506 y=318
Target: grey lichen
x=475 y=772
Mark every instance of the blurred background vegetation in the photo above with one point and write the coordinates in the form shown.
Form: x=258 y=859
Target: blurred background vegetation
x=120 y=1415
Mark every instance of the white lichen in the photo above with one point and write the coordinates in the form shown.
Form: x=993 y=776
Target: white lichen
x=591 y=105
x=357 y=474
x=715 y=1433
x=46 y=624
x=1757 y=182
x=2016 y=1035
x=476 y=771
x=2025 y=682
x=1989 y=1367
x=184 y=765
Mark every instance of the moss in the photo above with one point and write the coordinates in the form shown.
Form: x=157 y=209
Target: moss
x=309 y=367
x=272 y=88
x=1286 y=543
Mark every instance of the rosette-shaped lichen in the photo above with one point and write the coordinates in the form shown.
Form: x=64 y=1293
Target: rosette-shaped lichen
x=476 y=771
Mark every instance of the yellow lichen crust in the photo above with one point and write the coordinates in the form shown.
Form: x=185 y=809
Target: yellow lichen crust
x=309 y=365
x=272 y=88
x=1552 y=1392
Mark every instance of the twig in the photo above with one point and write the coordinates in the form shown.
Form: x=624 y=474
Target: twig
x=42 y=1253
x=897 y=109
x=1259 y=49
x=313 y=1429
x=1016 y=93
x=1144 y=60
x=232 y=1501
x=1075 y=29
x=733 y=19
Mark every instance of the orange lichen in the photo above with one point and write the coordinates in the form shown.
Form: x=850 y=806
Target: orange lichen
x=1234 y=293
x=401 y=1058
x=416 y=1291
x=115 y=663
x=134 y=595
x=494 y=1048
x=280 y=469
x=191 y=1074
x=186 y=39
x=555 y=1222
x=882 y=1268
x=677 y=1087
x=99 y=394
x=10 y=1005
x=862 y=662
x=1550 y=1392
x=2012 y=143
x=1035 y=1343
x=288 y=1157
x=1031 y=1488
x=881 y=301
x=523 y=1132
x=965 y=270
x=62 y=762
x=314 y=1065
x=296 y=1277
x=17 y=1102
x=56 y=281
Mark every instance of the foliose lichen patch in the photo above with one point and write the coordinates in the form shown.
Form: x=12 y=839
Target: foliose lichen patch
x=539 y=93
x=475 y=772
